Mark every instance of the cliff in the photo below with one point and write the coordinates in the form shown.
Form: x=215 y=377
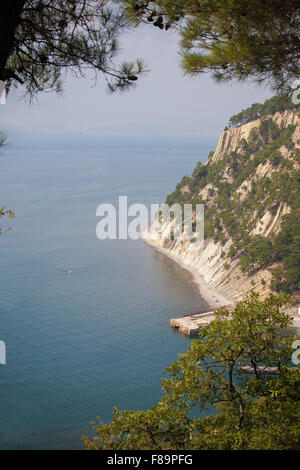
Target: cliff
x=229 y=140
x=250 y=188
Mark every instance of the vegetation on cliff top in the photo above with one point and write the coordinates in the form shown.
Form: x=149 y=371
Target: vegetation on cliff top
x=241 y=188
x=261 y=110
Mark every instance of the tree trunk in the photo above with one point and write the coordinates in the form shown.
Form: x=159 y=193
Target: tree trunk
x=10 y=11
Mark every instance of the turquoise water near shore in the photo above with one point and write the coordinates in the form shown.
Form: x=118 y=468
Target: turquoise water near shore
x=80 y=344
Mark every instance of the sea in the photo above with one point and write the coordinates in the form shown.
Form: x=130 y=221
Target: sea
x=85 y=322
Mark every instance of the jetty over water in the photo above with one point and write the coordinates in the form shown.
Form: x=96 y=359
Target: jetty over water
x=190 y=324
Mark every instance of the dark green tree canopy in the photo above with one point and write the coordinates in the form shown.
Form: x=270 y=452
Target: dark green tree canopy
x=41 y=39
x=233 y=39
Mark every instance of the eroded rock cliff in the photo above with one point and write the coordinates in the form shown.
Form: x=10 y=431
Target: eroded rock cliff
x=250 y=189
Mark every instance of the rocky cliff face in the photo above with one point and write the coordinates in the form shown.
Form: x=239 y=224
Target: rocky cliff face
x=207 y=261
x=229 y=140
x=249 y=168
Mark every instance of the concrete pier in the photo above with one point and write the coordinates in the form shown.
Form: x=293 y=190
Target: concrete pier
x=190 y=324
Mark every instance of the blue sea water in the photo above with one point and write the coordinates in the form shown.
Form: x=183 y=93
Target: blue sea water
x=79 y=344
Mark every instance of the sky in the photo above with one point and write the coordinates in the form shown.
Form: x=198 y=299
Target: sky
x=165 y=102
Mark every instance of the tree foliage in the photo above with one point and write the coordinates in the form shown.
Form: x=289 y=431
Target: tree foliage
x=233 y=39
x=40 y=40
x=243 y=411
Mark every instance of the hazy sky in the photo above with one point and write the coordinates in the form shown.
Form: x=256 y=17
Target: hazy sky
x=164 y=103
